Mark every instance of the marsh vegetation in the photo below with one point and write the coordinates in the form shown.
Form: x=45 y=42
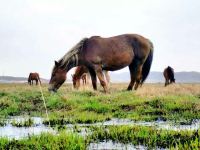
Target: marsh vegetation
x=178 y=103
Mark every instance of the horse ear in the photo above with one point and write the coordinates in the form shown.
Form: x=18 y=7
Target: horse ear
x=56 y=63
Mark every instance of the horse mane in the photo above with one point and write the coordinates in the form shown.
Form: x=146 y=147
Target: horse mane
x=74 y=50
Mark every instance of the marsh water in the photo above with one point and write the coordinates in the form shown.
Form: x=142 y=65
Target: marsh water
x=10 y=131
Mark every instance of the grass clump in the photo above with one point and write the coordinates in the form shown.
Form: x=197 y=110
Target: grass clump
x=2 y=94
x=2 y=122
x=96 y=107
x=46 y=141
x=25 y=123
x=147 y=136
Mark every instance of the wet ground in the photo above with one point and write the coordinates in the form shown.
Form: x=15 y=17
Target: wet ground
x=10 y=131
x=38 y=127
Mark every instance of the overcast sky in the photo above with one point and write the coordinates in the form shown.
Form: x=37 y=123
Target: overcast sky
x=34 y=33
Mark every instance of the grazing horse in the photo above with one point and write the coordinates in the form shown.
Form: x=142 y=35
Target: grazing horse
x=84 y=78
x=83 y=70
x=33 y=76
x=169 y=75
x=114 y=53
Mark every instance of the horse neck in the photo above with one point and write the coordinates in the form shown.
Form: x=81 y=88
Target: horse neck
x=71 y=58
x=71 y=62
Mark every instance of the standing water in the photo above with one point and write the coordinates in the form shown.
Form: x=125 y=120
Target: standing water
x=38 y=127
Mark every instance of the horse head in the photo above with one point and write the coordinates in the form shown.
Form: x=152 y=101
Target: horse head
x=173 y=80
x=58 y=77
x=76 y=81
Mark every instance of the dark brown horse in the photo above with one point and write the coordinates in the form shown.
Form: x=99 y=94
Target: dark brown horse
x=114 y=53
x=169 y=75
x=33 y=76
x=80 y=71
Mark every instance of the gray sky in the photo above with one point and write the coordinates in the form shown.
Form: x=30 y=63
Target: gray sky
x=34 y=33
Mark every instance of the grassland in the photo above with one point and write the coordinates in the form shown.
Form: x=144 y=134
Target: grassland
x=179 y=103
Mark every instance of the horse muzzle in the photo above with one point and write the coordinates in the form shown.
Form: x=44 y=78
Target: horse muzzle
x=52 y=89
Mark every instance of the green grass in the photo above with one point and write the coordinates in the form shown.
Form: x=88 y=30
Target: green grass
x=137 y=135
x=89 y=106
x=25 y=123
x=178 y=103
x=147 y=136
x=2 y=122
x=45 y=141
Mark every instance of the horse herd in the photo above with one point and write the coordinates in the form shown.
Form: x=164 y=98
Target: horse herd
x=96 y=56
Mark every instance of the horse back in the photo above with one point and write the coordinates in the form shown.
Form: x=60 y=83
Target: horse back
x=116 y=52
x=33 y=76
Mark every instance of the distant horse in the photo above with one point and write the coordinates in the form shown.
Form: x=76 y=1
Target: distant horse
x=169 y=75
x=83 y=70
x=114 y=53
x=33 y=76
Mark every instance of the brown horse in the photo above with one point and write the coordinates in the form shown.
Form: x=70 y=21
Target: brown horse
x=83 y=70
x=114 y=53
x=169 y=75
x=34 y=76
x=84 y=78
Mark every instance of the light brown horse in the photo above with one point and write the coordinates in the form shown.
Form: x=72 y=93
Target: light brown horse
x=169 y=75
x=84 y=78
x=34 y=76
x=114 y=53
x=81 y=73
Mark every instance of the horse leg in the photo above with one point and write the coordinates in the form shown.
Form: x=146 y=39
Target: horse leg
x=40 y=81
x=130 y=86
x=107 y=77
x=93 y=78
x=165 y=82
x=135 y=69
x=138 y=76
x=132 y=70
x=87 y=78
x=170 y=82
x=100 y=75
x=36 y=82
x=84 y=80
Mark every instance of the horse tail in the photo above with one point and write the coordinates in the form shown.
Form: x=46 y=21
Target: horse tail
x=147 y=64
